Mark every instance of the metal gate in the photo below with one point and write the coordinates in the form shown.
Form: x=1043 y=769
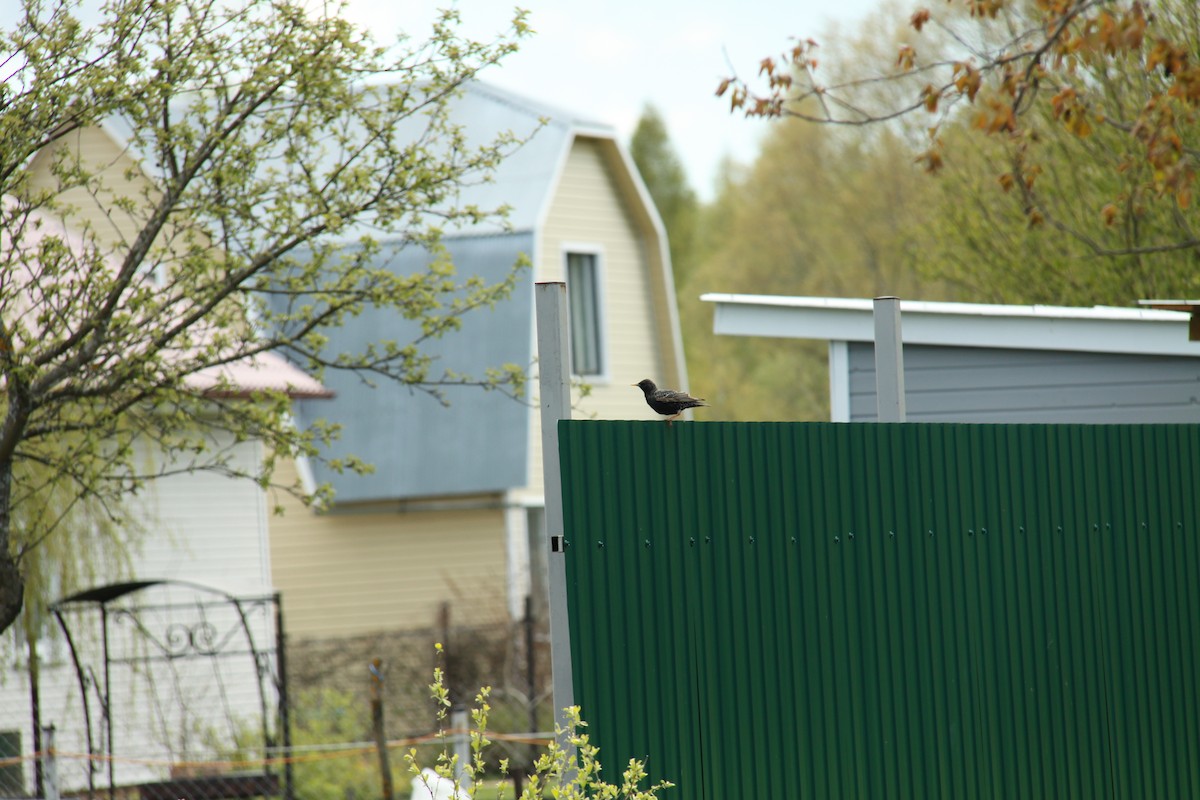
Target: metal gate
x=179 y=691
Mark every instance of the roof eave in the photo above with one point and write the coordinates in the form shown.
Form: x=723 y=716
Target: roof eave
x=1063 y=328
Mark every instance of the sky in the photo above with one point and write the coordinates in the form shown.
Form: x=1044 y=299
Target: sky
x=607 y=59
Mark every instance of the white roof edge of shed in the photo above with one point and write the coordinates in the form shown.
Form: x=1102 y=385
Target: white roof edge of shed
x=1100 y=329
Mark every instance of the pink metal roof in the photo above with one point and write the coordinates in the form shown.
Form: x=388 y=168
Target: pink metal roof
x=264 y=372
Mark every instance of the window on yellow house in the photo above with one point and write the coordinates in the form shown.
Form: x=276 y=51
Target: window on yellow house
x=586 y=312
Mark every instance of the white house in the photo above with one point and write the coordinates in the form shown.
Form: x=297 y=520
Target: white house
x=181 y=673
x=168 y=669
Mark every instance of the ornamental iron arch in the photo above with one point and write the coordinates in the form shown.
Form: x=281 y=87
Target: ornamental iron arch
x=176 y=672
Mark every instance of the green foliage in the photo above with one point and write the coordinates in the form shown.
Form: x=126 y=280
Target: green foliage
x=1066 y=134
x=667 y=181
x=267 y=145
x=569 y=769
x=1098 y=235
x=819 y=213
x=56 y=566
x=322 y=717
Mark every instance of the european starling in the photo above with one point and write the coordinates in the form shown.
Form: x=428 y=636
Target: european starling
x=666 y=401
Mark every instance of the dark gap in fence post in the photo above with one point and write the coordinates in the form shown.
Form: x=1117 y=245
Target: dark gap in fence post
x=520 y=771
x=35 y=701
x=385 y=767
x=285 y=711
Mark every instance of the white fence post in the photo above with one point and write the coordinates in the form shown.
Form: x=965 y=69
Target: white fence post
x=462 y=745
x=50 y=764
x=889 y=360
x=554 y=381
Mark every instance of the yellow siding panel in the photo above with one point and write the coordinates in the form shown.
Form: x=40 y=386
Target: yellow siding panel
x=589 y=209
x=345 y=574
x=98 y=152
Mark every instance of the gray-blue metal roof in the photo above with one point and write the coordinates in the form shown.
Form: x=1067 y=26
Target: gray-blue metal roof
x=480 y=443
x=523 y=181
x=477 y=444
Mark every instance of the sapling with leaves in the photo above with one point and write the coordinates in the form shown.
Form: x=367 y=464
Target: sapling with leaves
x=570 y=768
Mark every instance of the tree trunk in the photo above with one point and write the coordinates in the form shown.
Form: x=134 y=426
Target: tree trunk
x=12 y=585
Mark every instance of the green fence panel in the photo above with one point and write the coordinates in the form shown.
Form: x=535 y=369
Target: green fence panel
x=797 y=610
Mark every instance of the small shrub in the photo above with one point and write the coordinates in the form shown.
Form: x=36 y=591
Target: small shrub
x=563 y=773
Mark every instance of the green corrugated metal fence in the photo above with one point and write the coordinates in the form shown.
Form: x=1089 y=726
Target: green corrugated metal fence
x=794 y=610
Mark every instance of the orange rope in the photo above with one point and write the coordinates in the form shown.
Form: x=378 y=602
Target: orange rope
x=274 y=761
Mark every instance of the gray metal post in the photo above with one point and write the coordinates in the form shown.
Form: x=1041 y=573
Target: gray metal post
x=50 y=764
x=554 y=381
x=459 y=722
x=889 y=360
x=107 y=708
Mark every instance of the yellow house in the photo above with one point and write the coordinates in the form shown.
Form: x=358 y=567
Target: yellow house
x=455 y=499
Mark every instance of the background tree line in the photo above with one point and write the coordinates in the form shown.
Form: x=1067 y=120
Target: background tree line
x=892 y=193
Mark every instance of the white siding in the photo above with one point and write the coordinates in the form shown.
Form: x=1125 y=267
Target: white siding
x=208 y=528
x=199 y=527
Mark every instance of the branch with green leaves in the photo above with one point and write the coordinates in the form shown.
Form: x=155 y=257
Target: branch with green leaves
x=190 y=184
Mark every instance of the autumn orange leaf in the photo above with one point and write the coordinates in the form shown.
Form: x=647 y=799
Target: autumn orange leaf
x=967 y=80
x=1062 y=100
x=1127 y=68
x=1031 y=175
x=930 y=97
x=737 y=98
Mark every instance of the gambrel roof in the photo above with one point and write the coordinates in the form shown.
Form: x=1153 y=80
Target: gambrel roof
x=480 y=443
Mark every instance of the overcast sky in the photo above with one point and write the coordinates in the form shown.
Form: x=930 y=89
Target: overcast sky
x=608 y=58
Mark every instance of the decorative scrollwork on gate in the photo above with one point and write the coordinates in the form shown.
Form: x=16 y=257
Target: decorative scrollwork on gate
x=167 y=646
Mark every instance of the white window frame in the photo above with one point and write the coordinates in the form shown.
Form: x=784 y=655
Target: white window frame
x=597 y=252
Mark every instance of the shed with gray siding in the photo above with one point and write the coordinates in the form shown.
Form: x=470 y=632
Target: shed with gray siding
x=969 y=362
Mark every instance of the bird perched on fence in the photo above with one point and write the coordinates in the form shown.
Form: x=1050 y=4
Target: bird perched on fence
x=667 y=401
